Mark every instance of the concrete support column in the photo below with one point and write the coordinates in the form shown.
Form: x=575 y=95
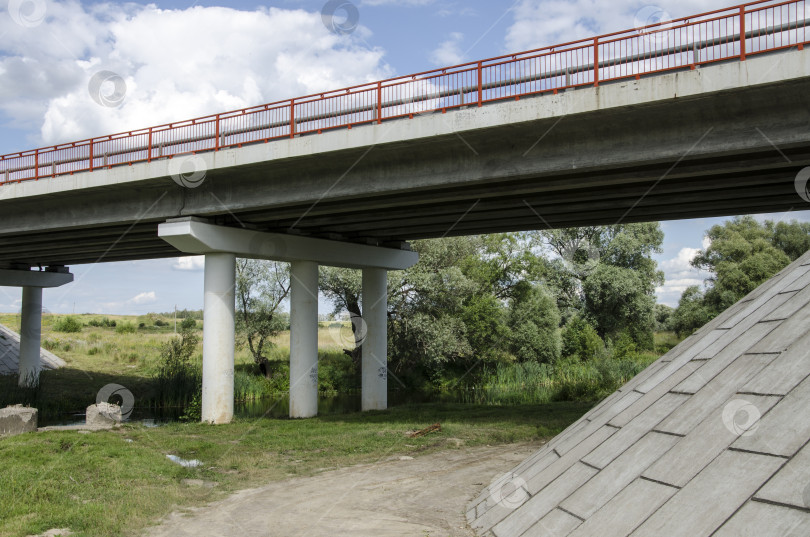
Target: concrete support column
x=218 y=338
x=375 y=346
x=303 y=339
x=30 y=336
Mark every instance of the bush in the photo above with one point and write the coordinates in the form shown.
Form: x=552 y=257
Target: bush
x=188 y=324
x=277 y=373
x=625 y=347
x=68 y=324
x=159 y=322
x=125 y=328
x=102 y=323
x=581 y=340
x=179 y=381
x=692 y=312
x=193 y=410
x=337 y=373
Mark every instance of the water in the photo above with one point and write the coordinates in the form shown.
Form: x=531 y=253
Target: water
x=273 y=408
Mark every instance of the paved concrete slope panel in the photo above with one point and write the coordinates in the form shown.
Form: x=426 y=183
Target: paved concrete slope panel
x=712 y=439
x=10 y=354
x=722 y=139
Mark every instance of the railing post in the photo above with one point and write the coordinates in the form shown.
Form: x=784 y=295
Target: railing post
x=148 y=148
x=216 y=145
x=379 y=103
x=480 y=85
x=292 y=118
x=36 y=164
x=595 y=62
x=742 y=33
x=91 y=154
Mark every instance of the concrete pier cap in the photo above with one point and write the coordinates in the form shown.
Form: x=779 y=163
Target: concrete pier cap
x=194 y=235
x=221 y=245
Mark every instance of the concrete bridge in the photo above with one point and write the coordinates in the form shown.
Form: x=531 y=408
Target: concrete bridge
x=705 y=116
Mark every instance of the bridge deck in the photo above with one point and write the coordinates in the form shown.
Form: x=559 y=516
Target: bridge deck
x=728 y=138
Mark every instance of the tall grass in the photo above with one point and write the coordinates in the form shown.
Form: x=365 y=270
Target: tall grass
x=248 y=386
x=179 y=379
x=566 y=380
x=337 y=373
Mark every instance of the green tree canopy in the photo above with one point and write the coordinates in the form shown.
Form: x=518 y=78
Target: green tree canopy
x=692 y=312
x=607 y=275
x=534 y=322
x=743 y=253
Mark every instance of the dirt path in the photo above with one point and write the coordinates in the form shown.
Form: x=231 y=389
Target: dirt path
x=422 y=497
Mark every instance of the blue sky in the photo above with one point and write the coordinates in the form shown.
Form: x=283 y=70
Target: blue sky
x=184 y=59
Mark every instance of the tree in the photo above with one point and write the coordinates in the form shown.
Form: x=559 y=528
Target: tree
x=580 y=339
x=663 y=317
x=742 y=254
x=620 y=300
x=343 y=288
x=426 y=302
x=504 y=264
x=484 y=318
x=261 y=287
x=443 y=313
x=534 y=321
x=607 y=275
x=792 y=238
x=577 y=251
x=691 y=313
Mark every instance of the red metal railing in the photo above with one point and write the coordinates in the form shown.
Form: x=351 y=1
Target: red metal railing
x=733 y=33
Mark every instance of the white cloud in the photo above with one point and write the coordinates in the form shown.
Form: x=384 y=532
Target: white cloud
x=144 y=298
x=141 y=299
x=449 y=51
x=396 y=2
x=680 y=263
x=679 y=274
x=177 y=64
x=191 y=263
x=706 y=242
x=541 y=23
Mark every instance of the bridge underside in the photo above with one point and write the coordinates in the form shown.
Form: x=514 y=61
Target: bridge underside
x=732 y=151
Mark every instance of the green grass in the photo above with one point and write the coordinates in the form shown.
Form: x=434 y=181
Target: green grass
x=101 y=484
x=664 y=341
